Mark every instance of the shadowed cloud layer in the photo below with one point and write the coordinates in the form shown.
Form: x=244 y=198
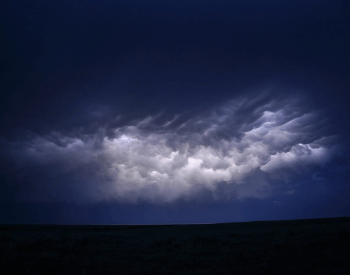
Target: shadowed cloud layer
x=243 y=148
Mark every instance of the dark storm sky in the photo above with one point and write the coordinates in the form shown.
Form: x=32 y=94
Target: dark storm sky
x=174 y=112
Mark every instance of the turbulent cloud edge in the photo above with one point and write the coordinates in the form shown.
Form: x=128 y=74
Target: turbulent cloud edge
x=235 y=151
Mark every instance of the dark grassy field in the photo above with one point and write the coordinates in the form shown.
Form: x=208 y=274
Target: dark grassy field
x=319 y=246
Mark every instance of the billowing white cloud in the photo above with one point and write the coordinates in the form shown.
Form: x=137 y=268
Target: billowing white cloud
x=237 y=150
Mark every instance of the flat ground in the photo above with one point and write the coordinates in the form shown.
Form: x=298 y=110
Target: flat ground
x=319 y=246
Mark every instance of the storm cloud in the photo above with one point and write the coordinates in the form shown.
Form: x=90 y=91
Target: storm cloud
x=244 y=148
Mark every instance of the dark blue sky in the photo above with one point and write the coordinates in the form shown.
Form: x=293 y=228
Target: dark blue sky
x=140 y=112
